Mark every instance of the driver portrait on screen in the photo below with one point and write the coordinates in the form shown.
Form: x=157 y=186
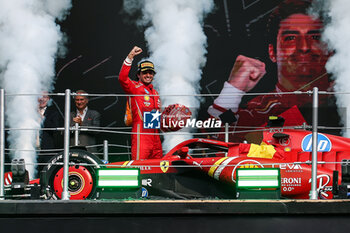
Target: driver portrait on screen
x=295 y=46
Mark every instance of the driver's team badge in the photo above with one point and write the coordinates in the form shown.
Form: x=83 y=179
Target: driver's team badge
x=164 y=165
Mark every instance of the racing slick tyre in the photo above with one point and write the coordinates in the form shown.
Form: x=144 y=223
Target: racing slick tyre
x=82 y=175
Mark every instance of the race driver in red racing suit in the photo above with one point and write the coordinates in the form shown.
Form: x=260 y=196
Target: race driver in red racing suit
x=145 y=143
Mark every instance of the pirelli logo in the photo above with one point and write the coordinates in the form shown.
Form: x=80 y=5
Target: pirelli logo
x=147 y=64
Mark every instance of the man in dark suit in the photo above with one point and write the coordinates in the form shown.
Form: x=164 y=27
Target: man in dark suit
x=48 y=139
x=85 y=117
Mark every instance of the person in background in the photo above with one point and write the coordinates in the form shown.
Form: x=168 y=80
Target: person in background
x=48 y=139
x=85 y=117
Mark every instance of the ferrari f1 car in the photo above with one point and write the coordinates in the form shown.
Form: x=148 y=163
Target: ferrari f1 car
x=204 y=168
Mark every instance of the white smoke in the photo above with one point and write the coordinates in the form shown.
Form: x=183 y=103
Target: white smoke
x=337 y=36
x=29 y=42
x=177 y=45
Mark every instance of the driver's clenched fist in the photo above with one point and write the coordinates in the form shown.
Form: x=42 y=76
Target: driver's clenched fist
x=135 y=51
x=246 y=73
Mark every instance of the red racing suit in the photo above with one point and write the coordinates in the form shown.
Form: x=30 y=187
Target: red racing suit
x=143 y=146
x=257 y=111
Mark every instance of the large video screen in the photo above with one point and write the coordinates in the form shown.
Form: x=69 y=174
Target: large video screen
x=251 y=47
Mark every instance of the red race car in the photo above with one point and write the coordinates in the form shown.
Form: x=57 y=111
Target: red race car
x=204 y=168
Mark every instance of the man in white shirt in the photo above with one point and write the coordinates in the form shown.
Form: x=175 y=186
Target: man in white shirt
x=85 y=117
x=48 y=139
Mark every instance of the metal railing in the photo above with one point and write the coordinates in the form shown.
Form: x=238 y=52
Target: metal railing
x=65 y=194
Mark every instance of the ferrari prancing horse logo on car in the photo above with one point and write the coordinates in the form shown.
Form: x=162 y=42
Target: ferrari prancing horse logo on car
x=164 y=165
